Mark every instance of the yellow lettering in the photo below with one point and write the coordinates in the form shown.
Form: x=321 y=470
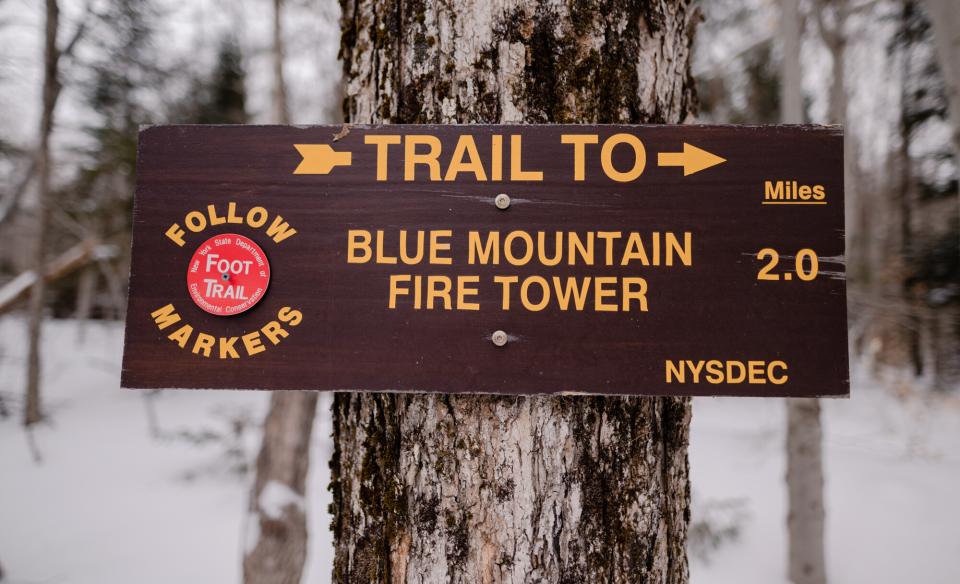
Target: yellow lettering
x=204 y=344
x=579 y=142
x=599 y=293
x=381 y=257
x=358 y=239
x=575 y=246
x=634 y=251
x=382 y=142
x=404 y=256
x=214 y=219
x=557 y=248
x=438 y=287
x=437 y=246
x=463 y=290
x=252 y=343
x=465 y=147
x=496 y=155
x=683 y=251
x=525 y=293
x=256 y=217
x=290 y=316
x=165 y=316
x=226 y=348
x=777 y=380
x=639 y=154
x=273 y=331
x=233 y=218
x=181 y=335
x=564 y=293
x=176 y=234
x=508 y=248
x=505 y=282
x=280 y=230
x=195 y=221
x=396 y=290
x=489 y=253
x=516 y=162
x=412 y=158
x=674 y=371
x=640 y=294
x=608 y=237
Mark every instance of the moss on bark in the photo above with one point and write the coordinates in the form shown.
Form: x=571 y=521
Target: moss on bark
x=492 y=488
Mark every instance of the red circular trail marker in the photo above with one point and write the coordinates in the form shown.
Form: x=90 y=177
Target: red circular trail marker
x=228 y=274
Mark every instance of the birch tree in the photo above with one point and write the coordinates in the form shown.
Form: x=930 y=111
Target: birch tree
x=51 y=90
x=945 y=18
x=277 y=522
x=470 y=488
x=43 y=163
x=281 y=109
x=805 y=518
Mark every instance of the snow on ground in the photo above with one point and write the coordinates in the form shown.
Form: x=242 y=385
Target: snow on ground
x=892 y=473
x=146 y=488
x=112 y=503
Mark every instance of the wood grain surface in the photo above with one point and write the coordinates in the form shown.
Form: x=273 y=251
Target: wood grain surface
x=349 y=339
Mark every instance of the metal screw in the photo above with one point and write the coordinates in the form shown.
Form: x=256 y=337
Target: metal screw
x=224 y=276
x=502 y=201
x=499 y=338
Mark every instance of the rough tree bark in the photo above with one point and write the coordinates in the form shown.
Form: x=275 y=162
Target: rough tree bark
x=459 y=488
x=51 y=88
x=277 y=524
x=805 y=518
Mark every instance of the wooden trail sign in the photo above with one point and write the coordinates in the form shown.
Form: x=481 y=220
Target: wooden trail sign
x=656 y=260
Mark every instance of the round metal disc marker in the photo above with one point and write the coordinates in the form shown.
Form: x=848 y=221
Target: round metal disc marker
x=228 y=274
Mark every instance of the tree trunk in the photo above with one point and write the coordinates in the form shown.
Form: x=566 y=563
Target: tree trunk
x=791 y=75
x=805 y=515
x=461 y=488
x=857 y=211
x=945 y=18
x=805 y=492
x=277 y=525
x=280 y=106
x=51 y=89
x=86 y=289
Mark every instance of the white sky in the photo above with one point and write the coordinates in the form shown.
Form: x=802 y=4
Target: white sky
x=190 y=30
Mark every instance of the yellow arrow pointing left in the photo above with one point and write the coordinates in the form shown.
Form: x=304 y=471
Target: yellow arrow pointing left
x=692 y=159
x=320 y=158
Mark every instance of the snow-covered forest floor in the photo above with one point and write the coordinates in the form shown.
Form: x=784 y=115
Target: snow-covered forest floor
x=128 y=486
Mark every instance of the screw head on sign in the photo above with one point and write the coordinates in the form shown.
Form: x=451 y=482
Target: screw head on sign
x=502 y=201
x=224 y=276
x=499 y=338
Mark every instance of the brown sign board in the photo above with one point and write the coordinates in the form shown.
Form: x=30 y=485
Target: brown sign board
x=648 y=260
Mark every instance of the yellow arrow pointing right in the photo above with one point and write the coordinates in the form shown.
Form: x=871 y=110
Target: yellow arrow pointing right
x=320 y=159
x=692 y=159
